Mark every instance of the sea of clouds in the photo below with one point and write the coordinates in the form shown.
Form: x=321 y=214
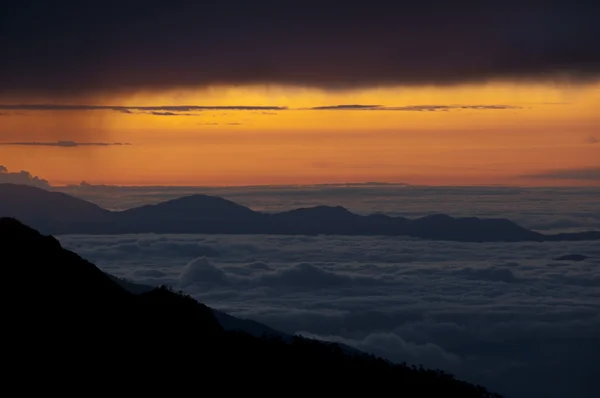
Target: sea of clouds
x=508 y=316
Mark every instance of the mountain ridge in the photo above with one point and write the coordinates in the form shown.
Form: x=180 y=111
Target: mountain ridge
x=67 y=322
x=59 y=213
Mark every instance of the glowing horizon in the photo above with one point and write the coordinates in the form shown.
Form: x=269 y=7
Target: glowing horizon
x=506 y=134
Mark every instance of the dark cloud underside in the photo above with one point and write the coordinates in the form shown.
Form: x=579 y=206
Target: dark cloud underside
x=131 y=109
x=183 y=110
x=78 y=47
x=64 y=144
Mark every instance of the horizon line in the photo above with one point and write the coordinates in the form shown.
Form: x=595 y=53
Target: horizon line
x=335 y=184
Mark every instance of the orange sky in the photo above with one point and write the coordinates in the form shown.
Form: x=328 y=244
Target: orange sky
x=553 y=128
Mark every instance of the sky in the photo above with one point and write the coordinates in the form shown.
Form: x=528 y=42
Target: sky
x=253 y=93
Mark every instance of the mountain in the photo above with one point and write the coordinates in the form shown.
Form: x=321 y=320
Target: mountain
x=190 y=214
x=58 y=213
x=52 y=212
x=66 y=324
x=228 y=322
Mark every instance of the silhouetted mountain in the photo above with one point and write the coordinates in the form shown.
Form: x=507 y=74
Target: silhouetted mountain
x=228 y=322
x=317 y=220
x=58 y=213
x=190 y=214
x=51 y=212
x=65 y=321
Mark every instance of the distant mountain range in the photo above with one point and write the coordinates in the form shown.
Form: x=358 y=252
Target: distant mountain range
x=65 y=322
x=59 y=213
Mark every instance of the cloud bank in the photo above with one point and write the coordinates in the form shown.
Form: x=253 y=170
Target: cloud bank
x=74 y=47
x=507 y=316
x=22 y=177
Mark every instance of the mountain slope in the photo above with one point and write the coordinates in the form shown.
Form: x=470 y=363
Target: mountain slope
x=190 y=214
x=59 y=213
x=66 y=322
x=226 y=321
x=52 y=212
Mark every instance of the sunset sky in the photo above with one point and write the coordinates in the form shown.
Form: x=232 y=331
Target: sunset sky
x=302 y=98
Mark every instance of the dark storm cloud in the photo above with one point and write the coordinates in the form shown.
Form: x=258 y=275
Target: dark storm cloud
x=78 y=47
x=64 y=144
x=591 y=174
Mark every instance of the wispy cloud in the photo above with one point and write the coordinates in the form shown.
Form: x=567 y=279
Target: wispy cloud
x=64 y=144
x=346 y=107
x=580 y=174
x=161 y=110
x=157 y=113
x=184 y=110
x=412 y=108
x=167 y=113
x=23 y=177
x=592 y=140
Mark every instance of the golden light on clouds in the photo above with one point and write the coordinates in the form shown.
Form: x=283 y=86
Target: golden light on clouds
x=504 y=131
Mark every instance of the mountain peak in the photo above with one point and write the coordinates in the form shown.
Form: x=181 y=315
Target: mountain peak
x=321 y=210
x=13 y=231
x=196 y=203
x=203 y=200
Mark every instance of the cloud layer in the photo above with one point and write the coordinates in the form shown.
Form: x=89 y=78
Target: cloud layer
x=64 y=144
x=23 y=177
x=80 y=48
x=132 y=109
x=507 y=316
x=184 y=110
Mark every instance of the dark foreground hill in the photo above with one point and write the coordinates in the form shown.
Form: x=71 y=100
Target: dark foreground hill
x=68 y=325
x=58 y=213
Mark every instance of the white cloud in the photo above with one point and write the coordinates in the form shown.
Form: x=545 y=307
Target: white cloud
x=395 y=348
x=507 y=316
x=201 y=271
x=23 y=177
